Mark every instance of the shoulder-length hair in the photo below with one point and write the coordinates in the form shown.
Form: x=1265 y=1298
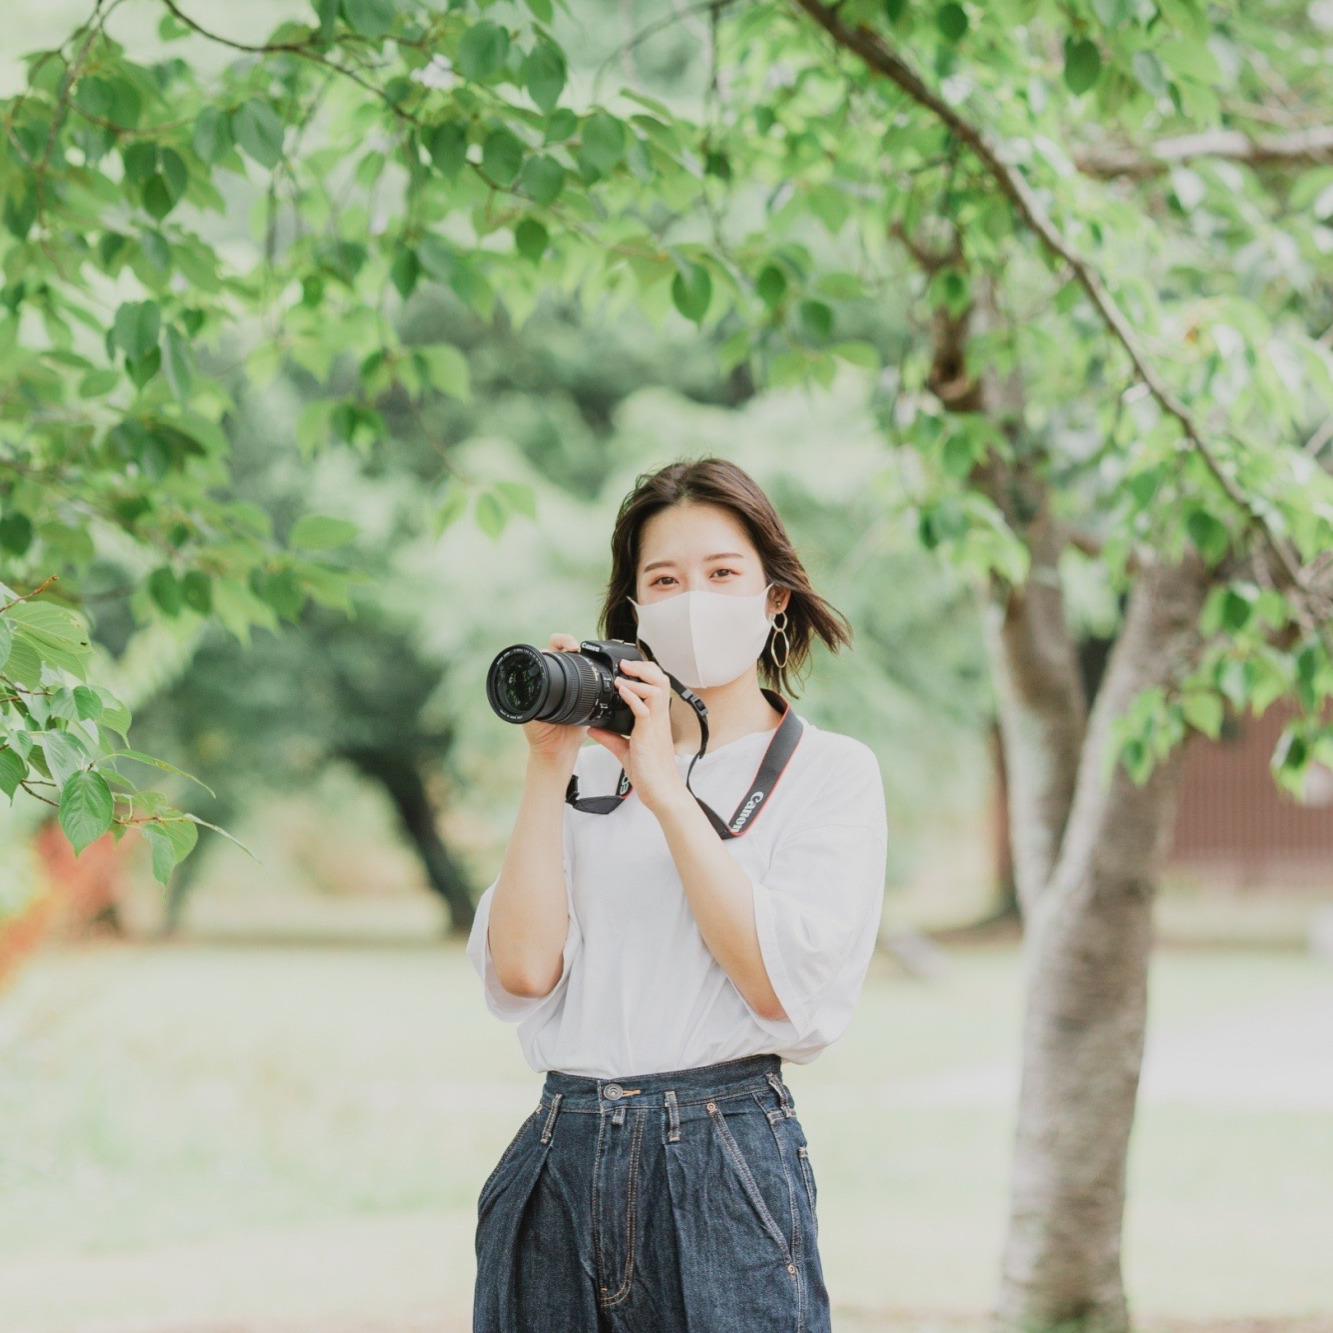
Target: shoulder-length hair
x=716 y=481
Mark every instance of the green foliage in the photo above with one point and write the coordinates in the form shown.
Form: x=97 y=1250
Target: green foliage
x=388 y=149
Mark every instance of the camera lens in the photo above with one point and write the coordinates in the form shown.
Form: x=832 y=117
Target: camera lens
x=524 y=683
x=520 y=682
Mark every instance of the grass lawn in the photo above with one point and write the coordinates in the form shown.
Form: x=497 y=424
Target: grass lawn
x=288 y=1136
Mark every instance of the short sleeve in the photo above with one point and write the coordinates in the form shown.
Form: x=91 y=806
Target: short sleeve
x=817 y=909
x=504 y=1004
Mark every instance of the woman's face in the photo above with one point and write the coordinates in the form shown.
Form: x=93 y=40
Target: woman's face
x=690 y=547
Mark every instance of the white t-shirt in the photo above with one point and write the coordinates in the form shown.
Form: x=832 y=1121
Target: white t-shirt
x=640 y=993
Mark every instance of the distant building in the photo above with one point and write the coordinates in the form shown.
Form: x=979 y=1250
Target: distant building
x=1235 y=825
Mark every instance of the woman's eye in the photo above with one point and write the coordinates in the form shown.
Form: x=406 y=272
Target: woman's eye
x=661 y=579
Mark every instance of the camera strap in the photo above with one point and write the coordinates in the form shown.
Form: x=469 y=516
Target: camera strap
x=770 y=769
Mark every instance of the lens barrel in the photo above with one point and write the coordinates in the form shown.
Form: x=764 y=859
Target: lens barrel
x=525 y=682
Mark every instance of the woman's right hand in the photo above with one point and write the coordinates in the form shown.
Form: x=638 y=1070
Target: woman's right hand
x=548 y=741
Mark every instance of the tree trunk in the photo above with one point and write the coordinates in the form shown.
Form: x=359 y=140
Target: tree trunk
x=1086 y=953
x=400 y=777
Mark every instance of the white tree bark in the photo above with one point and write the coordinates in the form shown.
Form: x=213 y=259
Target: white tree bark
x=1086 y=951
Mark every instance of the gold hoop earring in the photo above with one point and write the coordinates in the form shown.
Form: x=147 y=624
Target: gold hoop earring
x=786 y=643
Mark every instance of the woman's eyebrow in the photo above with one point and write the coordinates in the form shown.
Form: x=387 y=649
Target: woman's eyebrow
x=721 y=555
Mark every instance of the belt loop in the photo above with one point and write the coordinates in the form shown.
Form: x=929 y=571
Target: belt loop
x=673 y=1135
x=618 y=1115
x=550 y=1119
x=781 y=1091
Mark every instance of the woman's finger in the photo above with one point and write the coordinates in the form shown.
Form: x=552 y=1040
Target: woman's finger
x=648 y=671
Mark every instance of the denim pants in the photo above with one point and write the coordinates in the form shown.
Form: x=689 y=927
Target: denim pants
x=677 y=1202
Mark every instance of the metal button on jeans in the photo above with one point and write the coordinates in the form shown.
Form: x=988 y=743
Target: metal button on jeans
x=613 y=1090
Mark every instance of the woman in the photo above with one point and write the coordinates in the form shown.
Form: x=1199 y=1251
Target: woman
x=661 y=963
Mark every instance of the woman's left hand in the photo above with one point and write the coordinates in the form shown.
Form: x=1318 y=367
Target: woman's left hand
x=648 y=754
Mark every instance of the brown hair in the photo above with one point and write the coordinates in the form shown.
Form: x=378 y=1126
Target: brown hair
x=716 y=481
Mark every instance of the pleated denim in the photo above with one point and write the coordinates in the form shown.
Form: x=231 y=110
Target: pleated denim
x=677 y=1202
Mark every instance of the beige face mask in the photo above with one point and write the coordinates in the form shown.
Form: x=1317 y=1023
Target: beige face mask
x=705 y=638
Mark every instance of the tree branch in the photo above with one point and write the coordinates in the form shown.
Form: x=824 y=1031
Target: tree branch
x=303 y=49
x=882 y=59
x=1297 y=148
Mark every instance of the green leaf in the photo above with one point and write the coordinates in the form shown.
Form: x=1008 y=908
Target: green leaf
x=453 y=505
x=197 y=591
x=1203 y=710
x=126 y=104
x=447 y=146
x=771 y=285
x=136 y=328
x=155 y=249
x=139 y=157
x=318 y=532
x=841 y=286
x=327 y=13
x=448 y=369
x=531 y=239
x=15 y=537
x=94 y=96
x=490 y=514
x=957 y=454
x=179 y=362
x=156 y=196
x=1149 y=73
x=158 y=763
x=544 y=74
x=86 y=807
x=212 y=136
x=56 y=634
x=172 y=169
x=142 y=368
x=371 y=18
x=165 y=589
x=1113 y=13
x=87 y=702
x=1209 y=534
x=692 y=290
x=717 y=164
x=543 y=178
x=816 y=318
x=560 y=125
x=1236 y=608
x=404 y=271
x=1083 y=63
x=502 y=156
x=172 y=840
x=96 y=383
x=257 y=129
x=603 y=142
x=951 y=19
x=482 y=52
x=65 y=754
x=518 y=495
x=12 y=771
x=436 y=256
x=283 y=592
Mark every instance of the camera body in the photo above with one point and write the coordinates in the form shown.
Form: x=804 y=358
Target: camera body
x=569 y=689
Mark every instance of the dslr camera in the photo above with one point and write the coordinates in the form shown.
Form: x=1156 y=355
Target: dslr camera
x=569 y=689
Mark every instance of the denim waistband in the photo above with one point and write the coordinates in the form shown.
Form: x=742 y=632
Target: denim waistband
x=729 y=1078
